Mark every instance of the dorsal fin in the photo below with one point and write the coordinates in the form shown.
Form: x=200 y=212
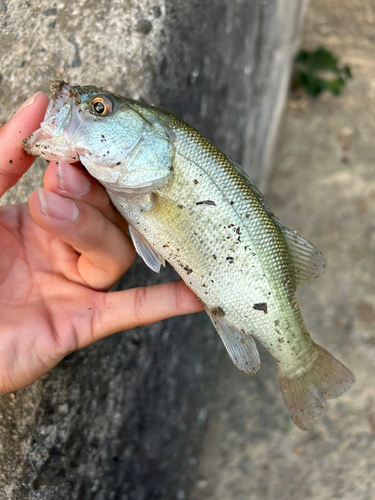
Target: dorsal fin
x=308 y=262
x=250 y=184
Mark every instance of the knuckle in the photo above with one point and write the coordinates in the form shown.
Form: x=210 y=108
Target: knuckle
x=178 y=300
x=140 y=300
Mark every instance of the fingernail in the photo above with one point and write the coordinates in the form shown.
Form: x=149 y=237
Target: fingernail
x=27 y=103
x=57 y=207
x=72 y=180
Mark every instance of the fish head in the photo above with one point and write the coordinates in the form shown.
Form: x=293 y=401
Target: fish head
x=104 y=131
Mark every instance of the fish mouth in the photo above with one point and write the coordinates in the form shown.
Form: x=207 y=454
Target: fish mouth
x=52 y=140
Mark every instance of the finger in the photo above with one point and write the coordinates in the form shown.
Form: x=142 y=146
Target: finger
x=127 y=309
x=14 y=162
x=106 y=251
x=70 y=181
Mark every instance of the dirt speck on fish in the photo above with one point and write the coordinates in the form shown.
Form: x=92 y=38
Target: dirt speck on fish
x=172 y=185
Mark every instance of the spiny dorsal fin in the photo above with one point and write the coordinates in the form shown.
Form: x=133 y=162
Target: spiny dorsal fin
x=240 y=346
x=308 y=262
x=250 y=184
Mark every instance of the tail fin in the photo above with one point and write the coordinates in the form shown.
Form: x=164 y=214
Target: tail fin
x=305 y=394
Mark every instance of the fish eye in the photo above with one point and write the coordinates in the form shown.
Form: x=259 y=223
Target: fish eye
x=101 y=105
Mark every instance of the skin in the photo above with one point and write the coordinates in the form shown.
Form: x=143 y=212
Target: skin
x=60 y=254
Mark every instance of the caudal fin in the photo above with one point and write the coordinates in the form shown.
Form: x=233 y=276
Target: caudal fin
x=305 y=393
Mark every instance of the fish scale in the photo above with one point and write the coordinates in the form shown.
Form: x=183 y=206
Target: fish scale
x=188 y=203
x=239 y=285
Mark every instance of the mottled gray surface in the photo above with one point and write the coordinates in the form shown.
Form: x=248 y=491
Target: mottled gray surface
x=124 y=419
x=323 y=186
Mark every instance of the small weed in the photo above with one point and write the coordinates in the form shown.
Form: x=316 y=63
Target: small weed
x=319 y=70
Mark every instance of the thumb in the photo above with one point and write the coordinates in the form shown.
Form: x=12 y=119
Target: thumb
x=14 y=162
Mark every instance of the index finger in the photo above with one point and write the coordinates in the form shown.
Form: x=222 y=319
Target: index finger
x=14 y=162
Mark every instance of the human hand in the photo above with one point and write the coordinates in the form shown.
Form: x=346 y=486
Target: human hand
x=54 y=274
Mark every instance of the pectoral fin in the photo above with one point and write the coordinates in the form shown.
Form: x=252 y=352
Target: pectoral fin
x=145 y=250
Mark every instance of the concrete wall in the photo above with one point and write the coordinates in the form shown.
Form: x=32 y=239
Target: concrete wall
x=124 y=419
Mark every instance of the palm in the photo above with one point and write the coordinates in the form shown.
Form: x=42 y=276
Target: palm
x=41 y=295
x=55 y=269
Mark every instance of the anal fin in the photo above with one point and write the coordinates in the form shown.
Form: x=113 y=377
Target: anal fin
x=153 y=260
x=241 y=347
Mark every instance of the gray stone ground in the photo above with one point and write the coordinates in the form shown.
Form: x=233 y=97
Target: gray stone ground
x=323 y=186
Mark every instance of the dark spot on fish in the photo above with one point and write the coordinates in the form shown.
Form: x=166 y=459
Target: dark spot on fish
x=231 y=259
x=195 y=181
x=10 y=161
x=206 y=202
x=118 y=163
x=232 y=202
x=247 y=216
x=171 y=168
x=281 y=340
x=262 y=306
x=218 y=312
x=165 y=246
x=188 y=270
x=214 y=256
x=180 y=206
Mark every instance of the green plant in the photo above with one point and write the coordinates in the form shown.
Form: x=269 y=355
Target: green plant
x=319 y=70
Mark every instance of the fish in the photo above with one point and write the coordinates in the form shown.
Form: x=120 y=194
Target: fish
x=187 y=203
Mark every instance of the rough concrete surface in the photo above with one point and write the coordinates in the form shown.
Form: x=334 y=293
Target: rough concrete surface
x=322 y=185
x=124 y=419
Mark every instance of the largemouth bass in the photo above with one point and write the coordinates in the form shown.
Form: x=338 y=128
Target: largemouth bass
x=189 y=204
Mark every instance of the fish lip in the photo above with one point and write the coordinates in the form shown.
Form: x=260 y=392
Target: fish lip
x=61 y=121
x=60 y=98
